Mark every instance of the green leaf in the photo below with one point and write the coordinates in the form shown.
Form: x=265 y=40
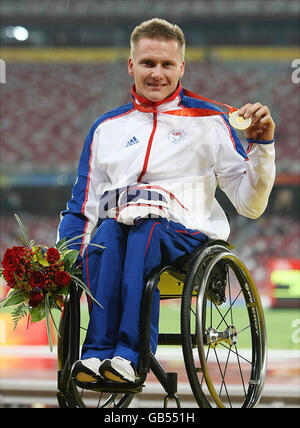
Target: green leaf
x=48 y=311
x=65 y=243
x=52 y=318
x=38 y=313
x=60 y=243
x=82 y=285
x=14 y=297
x=97 y=245
x=24 y=237
x=19 y=312
x=70 y=257
x=63 y=291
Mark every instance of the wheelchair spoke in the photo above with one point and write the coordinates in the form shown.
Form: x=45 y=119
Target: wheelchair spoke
x=240 y=370
x=223 y=376
x=228 y=310
x=244 y=329
x=238 y=358
x=193 y=312
x=237 y=354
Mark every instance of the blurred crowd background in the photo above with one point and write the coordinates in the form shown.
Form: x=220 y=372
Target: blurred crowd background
x=64 y=63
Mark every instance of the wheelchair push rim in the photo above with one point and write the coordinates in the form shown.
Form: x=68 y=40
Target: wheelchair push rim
x=221 y=372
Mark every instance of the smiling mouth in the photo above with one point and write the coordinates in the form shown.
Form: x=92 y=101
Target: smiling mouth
x=156 y=85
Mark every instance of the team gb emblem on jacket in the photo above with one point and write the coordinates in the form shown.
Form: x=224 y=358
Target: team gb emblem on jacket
x=177 y=136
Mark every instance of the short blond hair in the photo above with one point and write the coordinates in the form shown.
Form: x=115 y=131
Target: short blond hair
x=158 y=28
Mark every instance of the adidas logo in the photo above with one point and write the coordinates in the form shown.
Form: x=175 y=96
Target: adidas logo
x=132 y=141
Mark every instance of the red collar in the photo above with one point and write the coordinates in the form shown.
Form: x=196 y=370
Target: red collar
x=146 y=106
x=145 y=102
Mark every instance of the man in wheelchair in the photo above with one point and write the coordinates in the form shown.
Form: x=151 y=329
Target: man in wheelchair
x=146 y=189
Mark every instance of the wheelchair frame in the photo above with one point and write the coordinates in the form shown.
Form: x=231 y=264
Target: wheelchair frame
x=197 y=267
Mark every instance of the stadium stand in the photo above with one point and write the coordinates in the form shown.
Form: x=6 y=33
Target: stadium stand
x=42 y=119
x=270 y=237
x=44 y=122
x=40 y=229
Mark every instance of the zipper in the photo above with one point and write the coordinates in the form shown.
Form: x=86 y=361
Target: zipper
x=147 y=156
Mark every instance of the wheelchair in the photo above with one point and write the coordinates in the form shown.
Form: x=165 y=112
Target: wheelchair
x=223 y=336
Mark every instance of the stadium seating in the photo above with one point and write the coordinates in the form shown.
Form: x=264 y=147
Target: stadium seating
x=270 y=237
x=40 y=229
x=49 y=107
x=47 y=111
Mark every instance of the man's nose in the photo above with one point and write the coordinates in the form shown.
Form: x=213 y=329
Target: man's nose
x=156 y=72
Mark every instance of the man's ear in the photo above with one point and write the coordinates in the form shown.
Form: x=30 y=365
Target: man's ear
x=182 y=68
x=130 y=66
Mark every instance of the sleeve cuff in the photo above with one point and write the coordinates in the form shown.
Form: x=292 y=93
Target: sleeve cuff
x=260 y=141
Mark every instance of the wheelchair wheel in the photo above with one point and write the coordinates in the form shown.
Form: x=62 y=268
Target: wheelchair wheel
x=223 y=331
x=70 y=394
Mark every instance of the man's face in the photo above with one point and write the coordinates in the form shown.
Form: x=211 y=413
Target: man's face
x=156 y=66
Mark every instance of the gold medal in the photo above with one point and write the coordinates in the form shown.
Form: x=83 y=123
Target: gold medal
x=238 y=121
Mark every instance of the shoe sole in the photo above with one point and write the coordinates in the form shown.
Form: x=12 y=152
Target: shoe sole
x=84 y=377
x=110 y=373
x=84 y=374
x=114 y=377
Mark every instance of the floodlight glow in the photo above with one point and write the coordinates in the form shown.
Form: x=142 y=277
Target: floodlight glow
x=20 y=33
x=9 y=32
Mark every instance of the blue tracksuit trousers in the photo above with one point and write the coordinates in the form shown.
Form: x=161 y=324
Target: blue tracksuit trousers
x=116 y=278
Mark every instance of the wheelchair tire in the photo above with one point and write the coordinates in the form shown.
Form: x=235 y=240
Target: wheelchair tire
x=69 y=394
x=227 y=366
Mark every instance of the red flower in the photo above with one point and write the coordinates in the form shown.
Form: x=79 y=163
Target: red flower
x=10 y=260
x=35 y=299
x=53 y=255
x=9 y=277
x=19 y=252
x=37 y=279
x=62 y=279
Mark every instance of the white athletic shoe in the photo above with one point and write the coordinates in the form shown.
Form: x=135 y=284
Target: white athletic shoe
x=87 y=370
x=118 y=370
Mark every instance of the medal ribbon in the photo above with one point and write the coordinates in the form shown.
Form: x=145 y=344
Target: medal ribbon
x=193 y=111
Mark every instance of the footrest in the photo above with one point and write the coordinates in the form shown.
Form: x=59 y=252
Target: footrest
x=110 y=387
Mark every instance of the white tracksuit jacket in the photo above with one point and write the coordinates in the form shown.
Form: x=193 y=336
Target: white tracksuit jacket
x=136 y=162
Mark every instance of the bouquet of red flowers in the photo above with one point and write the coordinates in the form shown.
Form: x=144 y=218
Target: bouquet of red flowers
x=39 y=279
